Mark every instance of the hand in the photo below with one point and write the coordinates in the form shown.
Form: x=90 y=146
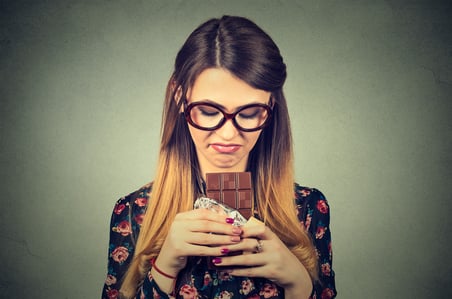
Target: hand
x=198 y=232
x=268 y=257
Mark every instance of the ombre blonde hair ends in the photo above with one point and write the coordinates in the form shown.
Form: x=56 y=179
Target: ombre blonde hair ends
x=241 y=47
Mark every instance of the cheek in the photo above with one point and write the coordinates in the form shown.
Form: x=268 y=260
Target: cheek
x=252 y=138
x=198 y=136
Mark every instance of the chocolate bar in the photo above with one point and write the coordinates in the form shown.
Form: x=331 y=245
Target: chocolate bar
x=232 y=189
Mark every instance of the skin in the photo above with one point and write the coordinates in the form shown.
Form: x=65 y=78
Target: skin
x=205 y=233
x=214 y=148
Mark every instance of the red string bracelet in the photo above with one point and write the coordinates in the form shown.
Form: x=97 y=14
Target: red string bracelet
x=160 y=271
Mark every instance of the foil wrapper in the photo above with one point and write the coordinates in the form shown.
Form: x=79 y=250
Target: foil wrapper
x=213 y=205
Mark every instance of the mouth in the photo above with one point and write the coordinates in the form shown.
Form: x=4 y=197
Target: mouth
x=225 y=148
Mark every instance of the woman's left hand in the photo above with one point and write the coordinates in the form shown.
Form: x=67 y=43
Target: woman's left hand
x=265 y=255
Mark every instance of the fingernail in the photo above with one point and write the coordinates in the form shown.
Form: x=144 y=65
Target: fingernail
x=230 y=220
x=224 y=250
x=216 y=260
x=236 y=230
x=235 y=238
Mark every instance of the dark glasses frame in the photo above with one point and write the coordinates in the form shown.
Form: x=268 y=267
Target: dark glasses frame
x=226 y=116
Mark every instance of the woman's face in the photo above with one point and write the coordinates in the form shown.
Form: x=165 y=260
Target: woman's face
x=225 y=149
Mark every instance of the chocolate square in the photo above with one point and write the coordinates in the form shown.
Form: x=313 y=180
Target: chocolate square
x=232 y=189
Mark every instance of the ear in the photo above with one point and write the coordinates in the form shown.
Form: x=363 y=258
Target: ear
x=271 y=102
x=177 y=89
x=178 y=94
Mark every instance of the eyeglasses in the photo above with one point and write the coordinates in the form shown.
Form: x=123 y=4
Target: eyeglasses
x=208 y=116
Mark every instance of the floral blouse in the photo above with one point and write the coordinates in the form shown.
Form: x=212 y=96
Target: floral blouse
x=197 y=281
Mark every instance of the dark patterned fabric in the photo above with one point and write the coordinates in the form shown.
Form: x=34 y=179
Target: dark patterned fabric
x=196 y=281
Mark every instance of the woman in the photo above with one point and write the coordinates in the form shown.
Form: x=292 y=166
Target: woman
x=224 y=112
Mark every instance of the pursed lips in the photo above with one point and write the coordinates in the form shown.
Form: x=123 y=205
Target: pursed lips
x=225 y=148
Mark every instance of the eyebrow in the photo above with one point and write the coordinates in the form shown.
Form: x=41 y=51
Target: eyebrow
x=224 y=108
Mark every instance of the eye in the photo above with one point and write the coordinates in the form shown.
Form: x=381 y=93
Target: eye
x=250 y=113
x=208 y=111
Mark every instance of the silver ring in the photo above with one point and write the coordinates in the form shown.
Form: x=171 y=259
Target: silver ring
x=259 y=246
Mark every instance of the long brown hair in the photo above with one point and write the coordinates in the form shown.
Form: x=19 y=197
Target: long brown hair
x=241 y=47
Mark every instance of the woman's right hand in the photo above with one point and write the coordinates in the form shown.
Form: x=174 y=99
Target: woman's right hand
x=199 y=232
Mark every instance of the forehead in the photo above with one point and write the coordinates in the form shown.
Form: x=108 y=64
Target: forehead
x=221 y=86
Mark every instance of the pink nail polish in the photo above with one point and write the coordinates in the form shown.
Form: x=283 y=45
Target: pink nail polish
x=224 y=250
x=230 y=220
x=216 y=260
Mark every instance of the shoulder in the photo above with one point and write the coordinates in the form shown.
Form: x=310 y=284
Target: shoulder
x=308 y=195
x=129 y=210
x=312 y=206
x=136 y=199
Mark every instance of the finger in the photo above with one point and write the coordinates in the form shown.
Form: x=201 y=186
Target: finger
x=209 y=226
x=204 y=214
x=211 y=239
x=202 y=250
x=259 y=271
x=247 y=245
x=243 y=260
x=258 y=232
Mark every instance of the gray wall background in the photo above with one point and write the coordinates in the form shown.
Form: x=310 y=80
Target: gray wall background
x=369 y=89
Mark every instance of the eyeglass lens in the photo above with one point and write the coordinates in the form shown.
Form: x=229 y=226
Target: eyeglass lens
x=207 y=116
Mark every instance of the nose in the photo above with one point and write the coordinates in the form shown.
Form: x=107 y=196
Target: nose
x=227 y=131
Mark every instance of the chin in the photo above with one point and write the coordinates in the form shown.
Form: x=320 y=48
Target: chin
x=225 y=163
x=226 y=167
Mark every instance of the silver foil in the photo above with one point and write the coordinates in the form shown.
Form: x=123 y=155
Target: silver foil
x=213 y=205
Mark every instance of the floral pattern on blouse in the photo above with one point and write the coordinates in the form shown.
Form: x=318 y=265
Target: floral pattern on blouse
x=196 y=280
